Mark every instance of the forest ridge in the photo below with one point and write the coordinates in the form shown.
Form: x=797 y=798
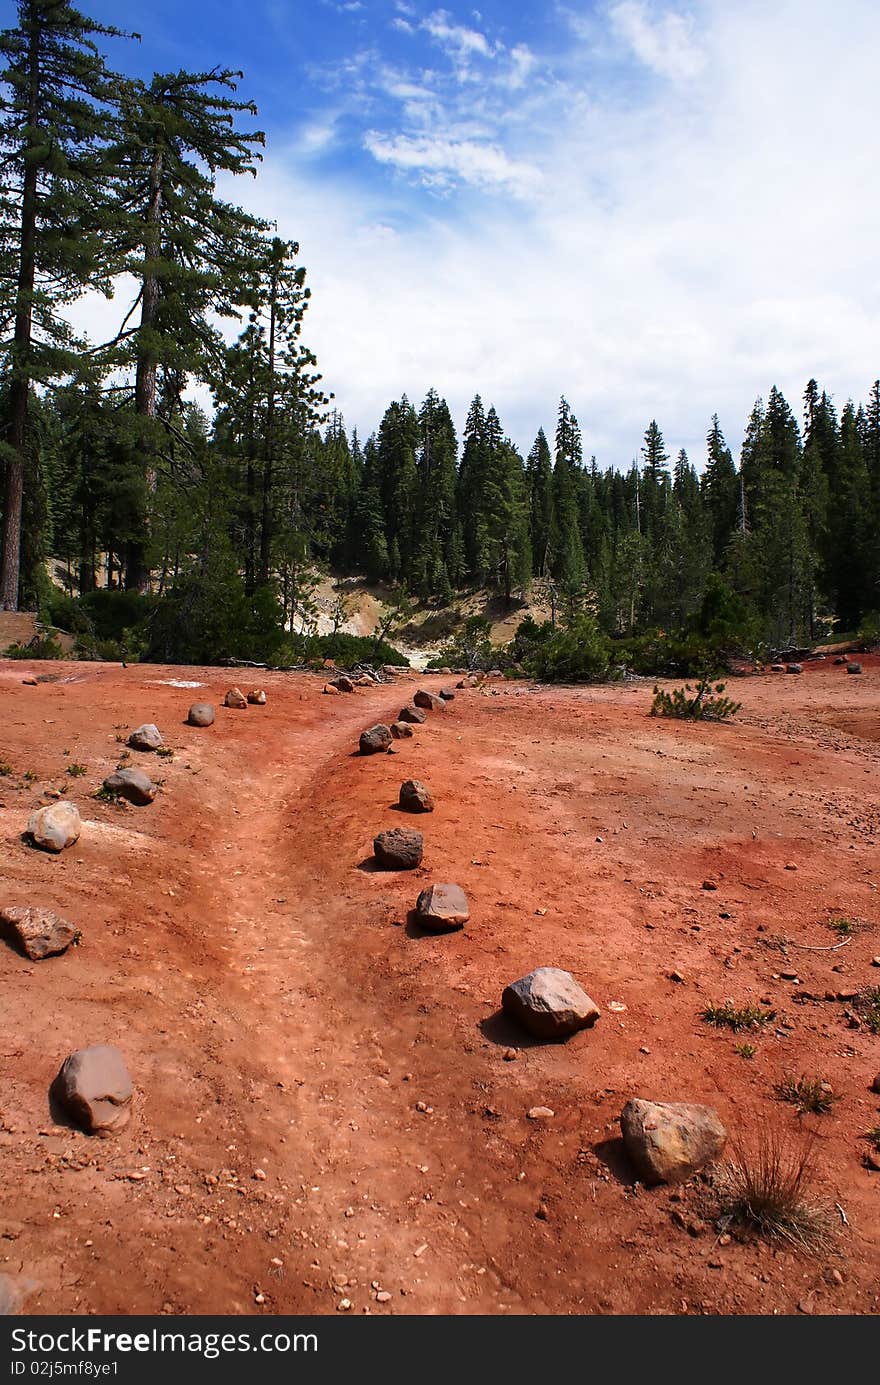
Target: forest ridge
x=216 y=522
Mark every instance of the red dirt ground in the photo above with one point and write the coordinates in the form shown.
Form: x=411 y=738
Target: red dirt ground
x=278 y=1014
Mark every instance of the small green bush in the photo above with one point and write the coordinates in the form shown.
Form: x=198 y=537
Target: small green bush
x=737 y=1017
x=702 y=705
x=808 y=1094
x=45 y=648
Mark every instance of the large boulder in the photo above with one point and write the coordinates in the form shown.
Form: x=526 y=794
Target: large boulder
x=375 y=739
x=94 y=1087
x=37 y=932
x=430 y=701
x=549 y=1003
x=415 y=798
x=412 y=713
x=146 y=737
x=442 y=908
x=56 y=826
x=401 y=729
x=133 y=785
x=201 y=714
x=399 y=849
x=257 y=697
x=235 y=698
x=669 y=1141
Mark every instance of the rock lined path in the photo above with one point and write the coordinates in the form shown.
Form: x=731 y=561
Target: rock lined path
x=324 y=1097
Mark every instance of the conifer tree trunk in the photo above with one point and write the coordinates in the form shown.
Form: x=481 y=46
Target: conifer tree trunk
x=19 y=390
x=136 y=574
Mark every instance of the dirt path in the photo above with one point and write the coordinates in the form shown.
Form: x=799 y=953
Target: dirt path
x=280 y=1017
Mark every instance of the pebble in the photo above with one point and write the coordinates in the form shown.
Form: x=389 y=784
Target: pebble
x=510 y=1055
x=676 y=976
x=344 y=1305
x=540 y=1113
x=383 y=1296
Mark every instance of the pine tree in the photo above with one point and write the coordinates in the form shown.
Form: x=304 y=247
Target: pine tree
x=55 y=112
x=539 y=477
x=193 y=255
x=720 y=489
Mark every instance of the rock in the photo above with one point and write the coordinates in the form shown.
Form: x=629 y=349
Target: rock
x=429 y=701
x=364 y=681
x=447 y=694
x=794 y=668
x=201 y=714
x=841 y=659
x=330 y=691
x=132 y=784
x=94 y=1088
x=412 y=713
x=875 y=1085
x=38 y=932
x=342 y=684
x=400 y=730
x=415 y=798
x=777 y=668
x=399 y=849
x=669 y=1141
x=540 y=1113
x=709 y=885
x=442 y=908
x=29 y=682
x=375 y=739
x=56 y=826
x=853 y=668
x=235 y=698
x=549 y=1003
x=146 y=737
x=257 y=697
x=462 y=683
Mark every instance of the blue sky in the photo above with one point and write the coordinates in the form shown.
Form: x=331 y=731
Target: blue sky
x=657 y=209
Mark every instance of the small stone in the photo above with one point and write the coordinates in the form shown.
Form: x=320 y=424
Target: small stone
x=549 y=1003
x=412 y=713
x=875 y=961
x=794 y=668
x=342 y=684
x=401 y=729
x=235 y=698
x=131 y=784
x=94 y=1087
x=540 y=1113
x=200 y=714
x=30 y=682
x=429 y=701
x=415 y=798
x=260 y=1175
x=442 y=908
x=875 y=1084
x=375 y=740
x=542 y=1212
x=399 y=849
x=510 y=1055
x=329 y=691
x=257 y=697
x=383 y=1296
x=344 y=1305
x=38 y=932
x=709 y=885
x=676 y=976
x=56 y=826
x=146 y=737
x=854 y=668
x=668 y=1142
x=789 y=975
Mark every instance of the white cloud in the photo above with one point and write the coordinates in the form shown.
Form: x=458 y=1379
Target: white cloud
x=687 y=246
x=457 y=39
x=440 y=162
x=664 y=42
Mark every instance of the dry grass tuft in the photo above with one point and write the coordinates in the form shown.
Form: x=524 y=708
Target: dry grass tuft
x=769 y=1186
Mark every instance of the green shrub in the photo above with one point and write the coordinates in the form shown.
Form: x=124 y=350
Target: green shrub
x=39 y=648
x=737 y=1017
x=347 y=650
x=578 y=654
x=701 y=706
